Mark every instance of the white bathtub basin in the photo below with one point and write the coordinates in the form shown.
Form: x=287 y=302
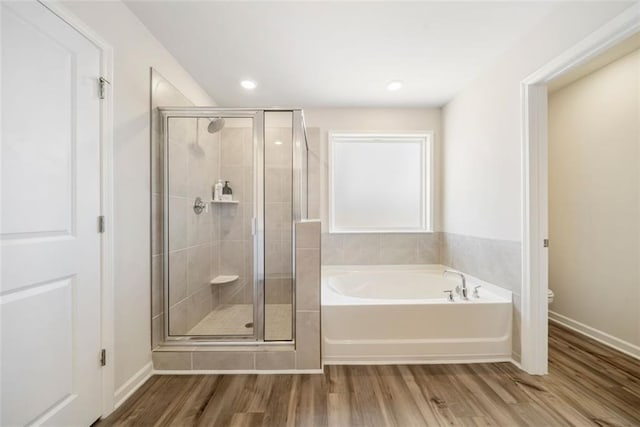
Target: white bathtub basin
x=400 y=314
x=409 y=284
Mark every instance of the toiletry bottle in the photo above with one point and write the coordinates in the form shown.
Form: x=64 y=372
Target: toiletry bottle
x=227 y=193
x=217 y=191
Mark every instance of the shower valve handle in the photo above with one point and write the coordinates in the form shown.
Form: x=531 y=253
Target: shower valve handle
x=200 y=206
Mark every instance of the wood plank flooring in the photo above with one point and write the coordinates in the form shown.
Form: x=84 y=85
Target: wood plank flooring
x=588 y=385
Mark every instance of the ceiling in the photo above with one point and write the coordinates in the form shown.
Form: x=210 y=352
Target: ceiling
x=337 y=54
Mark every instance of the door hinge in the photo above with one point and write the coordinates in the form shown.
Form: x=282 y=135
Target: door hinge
x=102 y=87
x=103 y=357
x=101 y=224
x=545 y=243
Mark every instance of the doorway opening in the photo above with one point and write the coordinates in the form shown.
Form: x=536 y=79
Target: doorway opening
x=535 y=149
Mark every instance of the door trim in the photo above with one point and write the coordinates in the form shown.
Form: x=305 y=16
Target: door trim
x=106 y=199
x=535 y=176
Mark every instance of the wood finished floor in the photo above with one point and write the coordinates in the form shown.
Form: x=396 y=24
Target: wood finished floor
x=588 y=385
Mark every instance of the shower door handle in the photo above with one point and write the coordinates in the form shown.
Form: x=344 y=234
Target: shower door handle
x=254 y=226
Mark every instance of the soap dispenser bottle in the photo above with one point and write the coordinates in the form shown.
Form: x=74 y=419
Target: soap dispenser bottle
x=217 y=191
x=227 y=193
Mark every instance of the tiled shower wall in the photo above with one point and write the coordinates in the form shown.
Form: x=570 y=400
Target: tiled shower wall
x=232 y=238
x=215 y=242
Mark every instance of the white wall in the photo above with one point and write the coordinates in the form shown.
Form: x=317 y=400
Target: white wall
x=371 y=120
x=594 y=199
x=481 y=154
x=135 y=50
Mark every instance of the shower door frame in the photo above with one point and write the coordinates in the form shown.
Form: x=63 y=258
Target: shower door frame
x=257 y=115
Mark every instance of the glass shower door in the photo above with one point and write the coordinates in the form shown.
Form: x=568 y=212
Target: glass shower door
x=210 y=239
x=228 y=265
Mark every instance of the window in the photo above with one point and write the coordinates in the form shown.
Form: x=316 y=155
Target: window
x=380 y=182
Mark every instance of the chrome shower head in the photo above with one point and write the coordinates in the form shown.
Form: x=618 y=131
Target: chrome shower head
x=216 y=125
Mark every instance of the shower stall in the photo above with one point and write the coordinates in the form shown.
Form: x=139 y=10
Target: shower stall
x=228 y=259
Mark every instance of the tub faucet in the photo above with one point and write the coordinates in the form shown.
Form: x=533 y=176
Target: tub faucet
x=462 y=291
x=476 y=294
x=450 y=296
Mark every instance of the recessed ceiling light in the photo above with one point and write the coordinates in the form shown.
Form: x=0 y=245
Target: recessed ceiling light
x=248 y=84
x=394 y=85
x=278 y=142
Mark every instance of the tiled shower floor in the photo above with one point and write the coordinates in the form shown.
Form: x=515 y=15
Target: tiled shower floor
x=231 y=320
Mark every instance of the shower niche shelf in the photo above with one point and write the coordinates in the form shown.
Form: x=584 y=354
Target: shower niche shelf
x=221 y=280
x=225 y=202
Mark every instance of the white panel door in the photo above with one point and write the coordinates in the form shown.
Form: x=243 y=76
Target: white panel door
x=50 y=289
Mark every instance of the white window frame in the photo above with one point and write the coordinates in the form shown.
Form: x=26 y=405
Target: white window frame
x=427 y=166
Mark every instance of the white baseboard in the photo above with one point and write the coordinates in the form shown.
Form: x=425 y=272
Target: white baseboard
x=237 y=371
x=602 y=337
x=132 y=384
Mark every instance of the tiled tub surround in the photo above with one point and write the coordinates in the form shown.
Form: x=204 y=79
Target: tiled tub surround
x=381 y=248
x=303 y=356
x=494 y=261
